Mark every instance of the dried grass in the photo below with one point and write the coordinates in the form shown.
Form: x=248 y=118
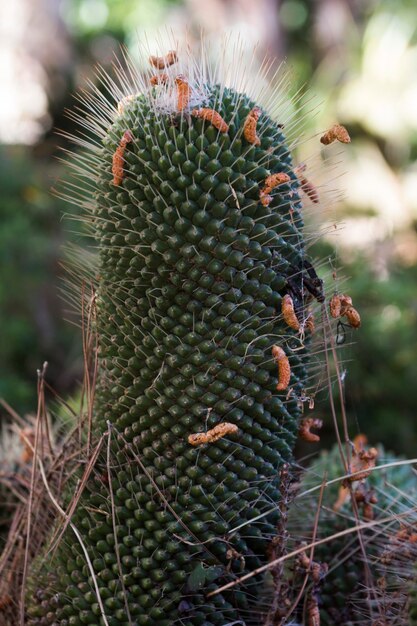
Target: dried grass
x=37 y=465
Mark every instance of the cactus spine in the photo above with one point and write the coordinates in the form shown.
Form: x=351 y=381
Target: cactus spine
x=197 y=237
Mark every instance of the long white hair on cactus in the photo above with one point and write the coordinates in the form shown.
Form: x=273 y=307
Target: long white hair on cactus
x=226 y=62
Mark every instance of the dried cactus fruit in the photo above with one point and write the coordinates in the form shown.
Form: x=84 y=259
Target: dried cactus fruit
x=212 y=116
x=288 y=313
x=118 y=160
x=220 y=430
x=161 y=63
x=336 y=133
x=249 y=126
x=306 y=425
x=183 y=92
x=284 y=368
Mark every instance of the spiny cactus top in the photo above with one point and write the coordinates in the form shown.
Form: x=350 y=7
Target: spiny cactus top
x=197 y=218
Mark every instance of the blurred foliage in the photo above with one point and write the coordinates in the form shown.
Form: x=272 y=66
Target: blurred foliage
x=31 y=310
x=377 y=361
x=359 y=59
x=381 y=363
x=89 y=17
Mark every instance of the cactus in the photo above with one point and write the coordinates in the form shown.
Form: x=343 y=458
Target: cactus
x=396 y=567
x=359 y=588
x=197 y=218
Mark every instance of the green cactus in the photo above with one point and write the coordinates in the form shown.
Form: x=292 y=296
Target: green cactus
x=348 y=594
x=192 y=268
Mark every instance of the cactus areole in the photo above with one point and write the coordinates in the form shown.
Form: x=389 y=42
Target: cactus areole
x=194 y=260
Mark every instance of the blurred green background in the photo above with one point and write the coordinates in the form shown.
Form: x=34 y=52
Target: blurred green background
x=356 y=62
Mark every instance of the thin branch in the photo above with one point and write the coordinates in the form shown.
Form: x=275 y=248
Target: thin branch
x=41 y=374
x=13 y=413
x=79 y=491
x=315 y=528
x=320 y=542
x=79 y=538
